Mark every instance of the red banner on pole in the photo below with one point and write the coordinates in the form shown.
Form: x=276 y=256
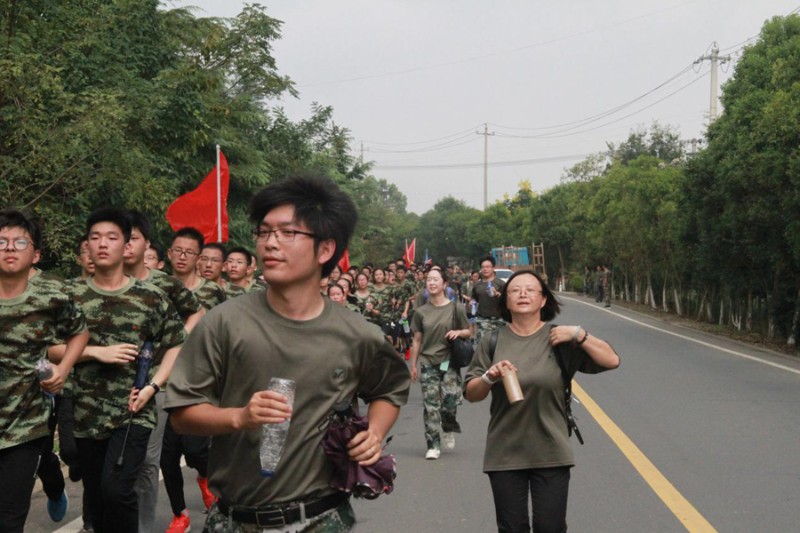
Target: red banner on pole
x=198 y=208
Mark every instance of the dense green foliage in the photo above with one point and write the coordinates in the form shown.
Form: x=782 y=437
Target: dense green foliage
x=121 y=102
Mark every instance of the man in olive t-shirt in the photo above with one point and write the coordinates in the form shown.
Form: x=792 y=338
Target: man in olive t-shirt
x=302 y=226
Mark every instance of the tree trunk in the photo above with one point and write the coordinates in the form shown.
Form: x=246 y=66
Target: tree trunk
x=650 y=295
x=748 y=321
x=721 y=310
x=792 y=339
x=676 y=296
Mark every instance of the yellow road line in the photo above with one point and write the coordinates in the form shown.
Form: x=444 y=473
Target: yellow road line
x=684 y=511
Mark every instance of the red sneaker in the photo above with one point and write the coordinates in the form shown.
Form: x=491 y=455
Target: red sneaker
x=180 y=524
x=408 y=354
x=208 y=497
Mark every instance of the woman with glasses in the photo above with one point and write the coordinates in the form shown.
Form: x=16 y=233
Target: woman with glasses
x=528 y=454
x=434 y=325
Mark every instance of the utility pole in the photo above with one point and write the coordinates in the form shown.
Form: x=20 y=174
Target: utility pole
x=485 y=134
x=716 y=60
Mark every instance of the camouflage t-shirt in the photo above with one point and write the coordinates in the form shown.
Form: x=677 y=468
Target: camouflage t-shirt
x=41 y=316
x=182 y=298
x=209 y=294
x=133 y=314
x=232 y=291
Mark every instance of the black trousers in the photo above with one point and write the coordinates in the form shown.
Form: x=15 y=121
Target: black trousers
x=50 y=465
x=18 y=466
x=196 y=451
x=113 y=503
x=548 y=489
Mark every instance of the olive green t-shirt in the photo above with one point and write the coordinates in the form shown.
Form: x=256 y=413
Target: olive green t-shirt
x=434 y=322
x=531 y=433
x=235 y=350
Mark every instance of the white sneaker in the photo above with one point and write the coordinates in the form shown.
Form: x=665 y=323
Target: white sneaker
x=433 y=453
x=449 y=441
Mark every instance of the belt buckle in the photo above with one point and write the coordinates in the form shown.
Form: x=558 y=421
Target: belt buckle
x=273 y=519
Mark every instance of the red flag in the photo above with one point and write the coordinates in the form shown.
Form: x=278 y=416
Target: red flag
x=344 y=262
x=411 y=252
x=198 y=208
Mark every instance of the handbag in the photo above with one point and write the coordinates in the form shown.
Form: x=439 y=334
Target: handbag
x=461 y=350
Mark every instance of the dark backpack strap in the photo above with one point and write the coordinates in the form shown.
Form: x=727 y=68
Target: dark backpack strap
x=493 y=343
x=567 y=379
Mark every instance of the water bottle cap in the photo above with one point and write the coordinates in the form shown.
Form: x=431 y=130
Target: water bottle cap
x=267 y=473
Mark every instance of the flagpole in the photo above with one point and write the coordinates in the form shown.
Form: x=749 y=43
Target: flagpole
x=219 y=199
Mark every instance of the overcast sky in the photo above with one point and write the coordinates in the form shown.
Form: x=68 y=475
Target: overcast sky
x=416 y=80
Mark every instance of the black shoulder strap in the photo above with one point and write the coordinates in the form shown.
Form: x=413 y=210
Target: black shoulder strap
x=567 y=379
x=493 y=343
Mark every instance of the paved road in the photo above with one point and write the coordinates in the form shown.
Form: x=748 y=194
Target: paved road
x=708 y=414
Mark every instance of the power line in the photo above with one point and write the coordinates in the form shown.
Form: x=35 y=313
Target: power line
x=599 y=116
x=511 y=163
x=468 y=130
x=464 y=139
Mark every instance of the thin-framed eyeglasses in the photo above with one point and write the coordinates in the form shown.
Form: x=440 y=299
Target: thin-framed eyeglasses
x=281 y=235
x=214 y=260
x=20 y=244
x=179 y=252
x=516 y=291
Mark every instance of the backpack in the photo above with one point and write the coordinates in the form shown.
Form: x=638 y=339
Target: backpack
x=571 y=424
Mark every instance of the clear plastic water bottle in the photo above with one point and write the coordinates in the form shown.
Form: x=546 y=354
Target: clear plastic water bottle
x=406 y=329
x=473 y=308
x=489 y=288
x=273 y=436
x=44 y=371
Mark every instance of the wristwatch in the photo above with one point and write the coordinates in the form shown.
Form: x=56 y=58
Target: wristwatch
x=155 y=386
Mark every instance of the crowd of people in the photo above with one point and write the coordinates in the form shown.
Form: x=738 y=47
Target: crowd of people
x=219 y=331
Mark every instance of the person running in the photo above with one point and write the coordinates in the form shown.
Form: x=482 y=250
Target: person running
x=190 y=311
x=84 y=261
x=33 y=316
x=154 y=257
x=434 y=325
x=184 y=256
x=122 y=313
x=486 y=295
x=239 y=261
x=302 y=226
x=528 y=455
x=211 y=265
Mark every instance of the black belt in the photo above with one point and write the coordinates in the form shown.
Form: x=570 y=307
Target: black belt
x=489 y=317
x=281 y=515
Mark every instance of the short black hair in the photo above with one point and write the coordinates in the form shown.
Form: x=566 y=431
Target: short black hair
x=140 y=221
x=217 y=246
x=16 y=218
x=489 y=258
x=440 y=270
x=190 y=233
x=327 y=211
x=115 y=216
x=158 y=250
x=551 y=307
x=242 y=250
x=402 y=267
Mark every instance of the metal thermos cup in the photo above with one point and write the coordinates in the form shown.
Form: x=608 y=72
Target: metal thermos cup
x=511 y=384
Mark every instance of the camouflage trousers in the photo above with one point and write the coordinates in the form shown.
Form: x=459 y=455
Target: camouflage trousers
x=340 y=519
x=441 y=394
x=484 y=326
